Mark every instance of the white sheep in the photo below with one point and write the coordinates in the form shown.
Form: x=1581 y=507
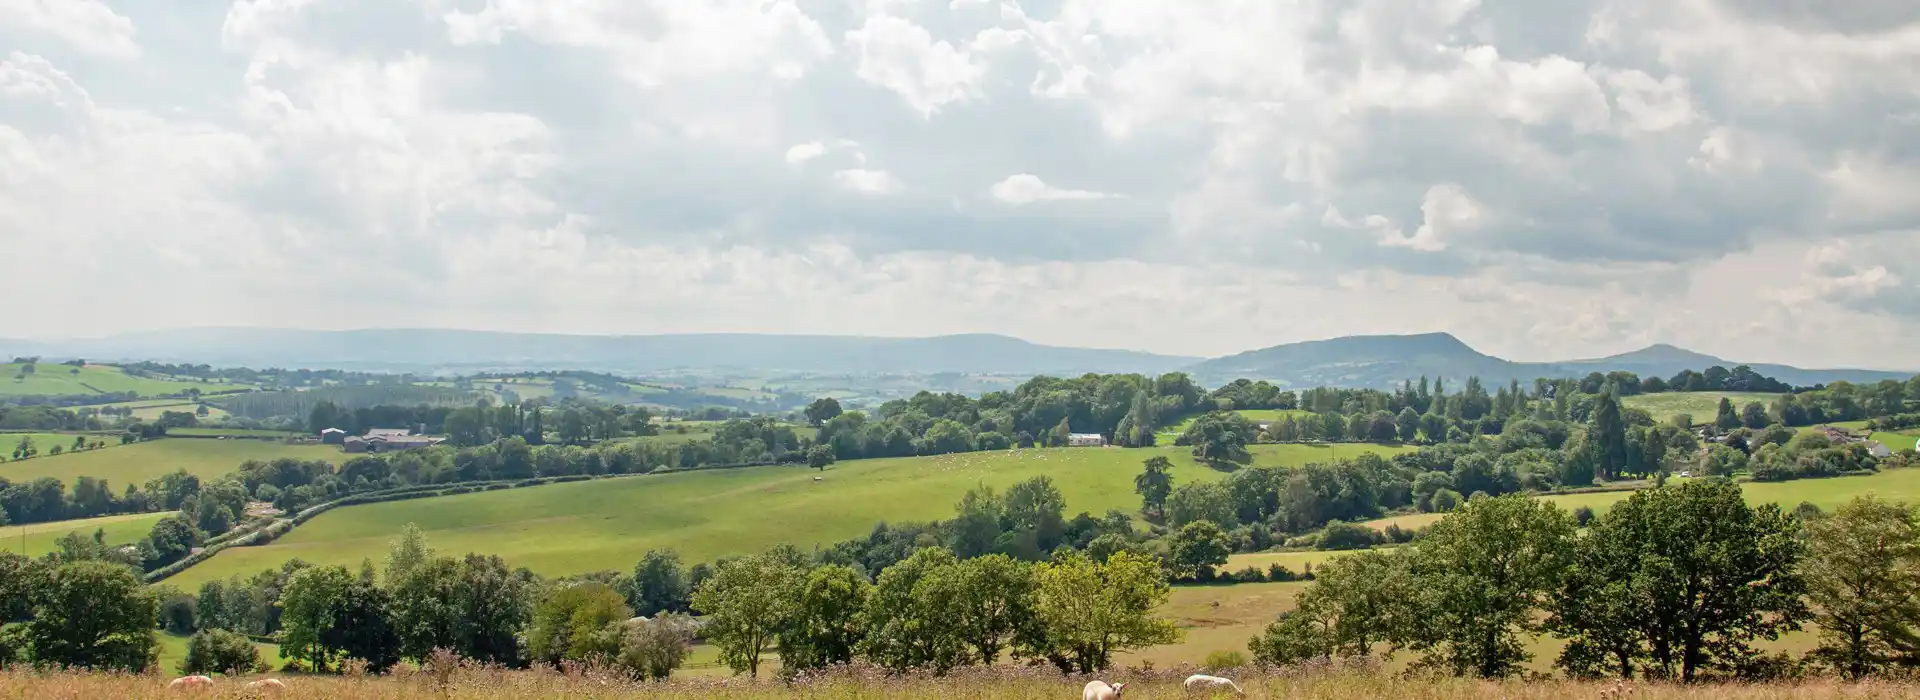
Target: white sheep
x=1203 y=683
x=1100 y=690
x=190 y=683
x=267 y=684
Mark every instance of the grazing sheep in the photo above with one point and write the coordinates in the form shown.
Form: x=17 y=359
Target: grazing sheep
x=190 y=683
x=1203 y=683
x=1100 y=690
x=266 y=684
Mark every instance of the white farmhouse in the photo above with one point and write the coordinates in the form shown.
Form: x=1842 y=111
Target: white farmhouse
x=1086 y=440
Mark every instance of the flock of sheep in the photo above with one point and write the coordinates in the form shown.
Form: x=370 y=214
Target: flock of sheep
x=1096 y=690
x=1195 y=684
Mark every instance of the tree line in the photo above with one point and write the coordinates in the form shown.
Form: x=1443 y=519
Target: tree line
x=1673 y=583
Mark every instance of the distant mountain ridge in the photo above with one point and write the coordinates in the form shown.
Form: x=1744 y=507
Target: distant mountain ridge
x=1383 y=361
x=1353 y=361
x=430 y=350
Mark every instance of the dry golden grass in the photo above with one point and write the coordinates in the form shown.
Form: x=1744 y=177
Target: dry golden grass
x=966 y=683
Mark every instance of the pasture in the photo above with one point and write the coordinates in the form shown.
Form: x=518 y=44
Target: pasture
x=173 y=650
x=44 y=442
x=608 y=524
x=1001 y=682
x=1166 y=435
x=1216 y=618
x=39 y=538
x=67 y=380
x=1703 y=406
x=137 y=463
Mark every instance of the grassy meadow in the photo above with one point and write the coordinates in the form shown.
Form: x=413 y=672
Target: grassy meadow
x=39 y=538
x=137 y=463
x=608 y=524
x=1701 y=405
x=173 y=650
x=66 y=380
x=1000 y=682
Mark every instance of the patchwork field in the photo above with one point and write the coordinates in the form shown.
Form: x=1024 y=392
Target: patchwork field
x=1703 y=406
x=608 y=524
x=39 y=538
x=135 y=464
x=60 y=380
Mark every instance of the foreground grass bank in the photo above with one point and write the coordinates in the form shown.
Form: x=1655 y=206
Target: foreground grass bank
x=608 y=524
x=1020 y=684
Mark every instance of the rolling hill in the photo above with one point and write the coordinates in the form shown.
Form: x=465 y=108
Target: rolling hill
x=427 y=350
x=1383 y=361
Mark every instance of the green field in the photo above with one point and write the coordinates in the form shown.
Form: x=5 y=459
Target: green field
x=1294 y=561
x=135 y=464
x=1167 y=434
x=173 y=650
x=44 y=442
x=62 y=380
x=609 y=524
x=1701 y=405
x=1214 y=618
x=232 y=433
x=40 y=537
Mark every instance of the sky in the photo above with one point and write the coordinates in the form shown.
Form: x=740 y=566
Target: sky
x=1546 y=179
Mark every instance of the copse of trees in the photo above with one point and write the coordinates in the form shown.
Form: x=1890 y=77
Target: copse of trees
x=1674 y=583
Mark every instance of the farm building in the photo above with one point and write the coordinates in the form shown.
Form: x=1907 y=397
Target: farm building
x=333 y=436
x=1085 y=440
x=389 y=440
x=1878 y=450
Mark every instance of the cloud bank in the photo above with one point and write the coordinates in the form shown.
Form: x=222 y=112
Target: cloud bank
x=1544 y=179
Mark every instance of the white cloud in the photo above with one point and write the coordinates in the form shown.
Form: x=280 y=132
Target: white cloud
x=803 y=152
x=867 y=181
x=88 y=25
x=901 y=56
x=1026 y=188
x=1546 y=181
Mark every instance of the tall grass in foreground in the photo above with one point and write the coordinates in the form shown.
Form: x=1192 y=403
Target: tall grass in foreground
x=862 y=684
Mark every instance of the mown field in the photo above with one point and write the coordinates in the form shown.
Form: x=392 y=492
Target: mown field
x=1703 y=406
x=137 y=463
x=1001 y=682
x=44 y=441
x=63 y=380
x=39 y=538
x=609 y=524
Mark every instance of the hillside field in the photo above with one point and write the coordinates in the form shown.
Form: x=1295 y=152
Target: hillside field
x=64 y=380
x=1703 y=406
x=137 y=463
x=608 y=524
x=40 y=537
x=1166 y=435
x=44 y=441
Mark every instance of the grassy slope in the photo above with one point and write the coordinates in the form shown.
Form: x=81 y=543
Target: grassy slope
x=609 y=524
x=124 y=464
x=1702 y=405
x=54 y=379
x=40 y=537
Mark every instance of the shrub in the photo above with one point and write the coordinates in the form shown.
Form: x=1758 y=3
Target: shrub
x=1279 y=574
x=652 y=649
x=1248 y=575
x=177 y=611
x=1582 y=516
x=220 y=651
x=1445 y=500
x=1224 y=659
x=1342 y=535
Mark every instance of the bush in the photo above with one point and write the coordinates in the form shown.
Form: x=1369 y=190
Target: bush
x=177 y=611
x=220 y=651
x=1280 y=574
x=1340 y=535
x=1582 y=516
x=652 y=649
x=1445 y=500
x=1248 y=575
x=1223 y=660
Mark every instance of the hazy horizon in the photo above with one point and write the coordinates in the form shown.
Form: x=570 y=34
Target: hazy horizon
x=1544 y=180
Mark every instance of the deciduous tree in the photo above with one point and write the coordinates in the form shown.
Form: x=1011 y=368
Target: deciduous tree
x=1485 y=573
x=1863 y=577
x=745 y=603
